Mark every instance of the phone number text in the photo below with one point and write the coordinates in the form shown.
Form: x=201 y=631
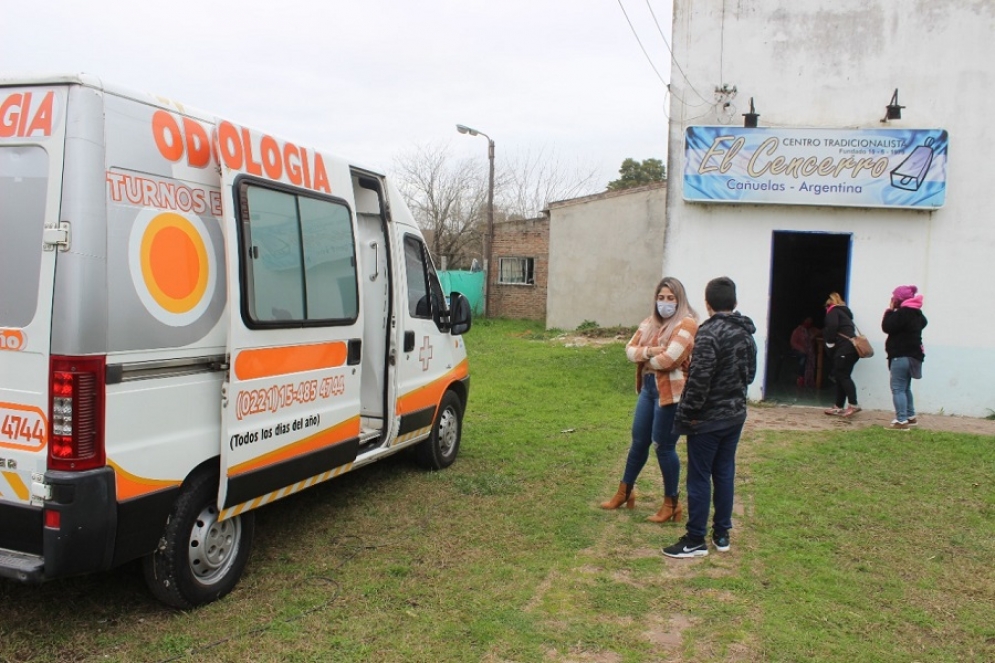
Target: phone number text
x=275 y=398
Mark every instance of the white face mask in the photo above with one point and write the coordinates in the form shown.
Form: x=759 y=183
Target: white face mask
x=666 y=309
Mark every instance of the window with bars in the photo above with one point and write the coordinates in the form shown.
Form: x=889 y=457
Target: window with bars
x=516 y=271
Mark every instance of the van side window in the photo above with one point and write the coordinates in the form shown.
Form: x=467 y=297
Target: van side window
x=299 y=262
x=426 y=299
x=419 y=304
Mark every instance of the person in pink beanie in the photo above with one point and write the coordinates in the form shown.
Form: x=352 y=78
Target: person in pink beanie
x=903 y=322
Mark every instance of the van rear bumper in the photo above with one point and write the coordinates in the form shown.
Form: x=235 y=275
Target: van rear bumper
x=82 y=543
x=22 y=567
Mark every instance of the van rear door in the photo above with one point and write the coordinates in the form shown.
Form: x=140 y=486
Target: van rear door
x=32 y=144
x=292 y=401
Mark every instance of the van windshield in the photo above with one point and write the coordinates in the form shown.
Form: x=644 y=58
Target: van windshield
x=23 y=181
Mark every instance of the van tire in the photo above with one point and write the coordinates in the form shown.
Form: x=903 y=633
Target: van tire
x=440 y=449
x=183 y=572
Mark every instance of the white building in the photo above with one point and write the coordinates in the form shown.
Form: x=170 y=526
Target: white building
x=821 y=76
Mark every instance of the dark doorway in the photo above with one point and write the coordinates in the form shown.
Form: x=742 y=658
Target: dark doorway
x=805 y=268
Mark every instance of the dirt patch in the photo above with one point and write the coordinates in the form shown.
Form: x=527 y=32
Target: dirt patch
x=596 y=336
x=796 y=417
x=667 y=634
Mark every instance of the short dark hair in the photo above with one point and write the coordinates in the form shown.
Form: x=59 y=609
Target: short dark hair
x=720 y=294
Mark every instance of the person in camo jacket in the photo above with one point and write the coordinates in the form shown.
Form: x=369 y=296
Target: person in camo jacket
x=711 y=413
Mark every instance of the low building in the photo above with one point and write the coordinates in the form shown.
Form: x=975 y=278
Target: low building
x=605 y=252
x=520 y=271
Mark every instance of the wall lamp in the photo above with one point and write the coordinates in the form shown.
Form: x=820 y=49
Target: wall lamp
x=750 y=119
x=893 y=111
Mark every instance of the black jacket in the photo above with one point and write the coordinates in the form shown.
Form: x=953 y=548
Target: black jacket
x=904 y=327
x=723 y=364
x=839 y=323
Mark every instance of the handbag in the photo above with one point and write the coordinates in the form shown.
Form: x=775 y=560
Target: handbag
x=860 y=344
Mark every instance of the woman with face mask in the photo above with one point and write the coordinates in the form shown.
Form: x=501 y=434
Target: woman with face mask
x=661 y=349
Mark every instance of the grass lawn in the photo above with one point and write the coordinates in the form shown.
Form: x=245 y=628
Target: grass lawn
x=860 y=545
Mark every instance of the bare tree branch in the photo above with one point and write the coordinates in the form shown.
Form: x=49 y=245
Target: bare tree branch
x=448 y=199
x=537 y=178
x=448 y=196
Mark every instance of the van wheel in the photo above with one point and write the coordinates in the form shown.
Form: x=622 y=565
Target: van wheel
x=440 y=449
x=199 y=559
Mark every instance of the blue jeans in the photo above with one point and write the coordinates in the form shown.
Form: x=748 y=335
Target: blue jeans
x=711 y=457
x=653 y=423
x=901 y=388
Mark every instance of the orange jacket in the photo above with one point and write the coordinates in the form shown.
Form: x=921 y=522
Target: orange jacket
x=670 y=361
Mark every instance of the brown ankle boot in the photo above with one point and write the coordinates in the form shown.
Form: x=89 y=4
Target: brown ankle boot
x=671 y=510
x=624 y=495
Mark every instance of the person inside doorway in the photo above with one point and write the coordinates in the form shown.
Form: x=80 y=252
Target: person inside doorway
x=838 y=331
x=803 y=353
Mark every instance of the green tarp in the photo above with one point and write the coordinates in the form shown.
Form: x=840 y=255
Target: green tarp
x=470 y=284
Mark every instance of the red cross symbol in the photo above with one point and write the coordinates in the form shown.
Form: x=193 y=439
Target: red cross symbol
x=425 y=354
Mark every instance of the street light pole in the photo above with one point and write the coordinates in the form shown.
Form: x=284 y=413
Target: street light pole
x=489 y=238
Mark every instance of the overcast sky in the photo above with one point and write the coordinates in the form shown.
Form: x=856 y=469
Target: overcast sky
x=373 y=78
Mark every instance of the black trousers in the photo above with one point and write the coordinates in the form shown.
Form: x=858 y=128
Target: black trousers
x=844 y=359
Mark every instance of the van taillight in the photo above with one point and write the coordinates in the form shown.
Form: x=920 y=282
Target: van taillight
x=76 y=413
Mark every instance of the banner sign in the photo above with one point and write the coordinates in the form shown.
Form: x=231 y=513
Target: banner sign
x=900 y=168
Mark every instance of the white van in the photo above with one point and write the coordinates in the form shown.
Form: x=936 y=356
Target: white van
x=197 y=319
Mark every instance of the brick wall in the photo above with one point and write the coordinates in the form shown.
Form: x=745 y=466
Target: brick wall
x=528 y=238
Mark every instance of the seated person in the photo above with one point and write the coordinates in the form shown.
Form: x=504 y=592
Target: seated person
x=801 y=350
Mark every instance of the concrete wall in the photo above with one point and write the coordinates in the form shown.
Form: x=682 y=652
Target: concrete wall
x=836 y=65
x=527 y=238
x=605 y=257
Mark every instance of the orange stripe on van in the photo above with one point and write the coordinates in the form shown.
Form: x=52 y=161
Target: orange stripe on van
x=431 y=394
x=19 y=488
x=131 y=485
x=270 y=362
x=347 y=430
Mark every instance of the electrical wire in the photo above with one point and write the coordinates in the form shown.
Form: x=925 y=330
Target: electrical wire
x=673 y=58
x=639 y=41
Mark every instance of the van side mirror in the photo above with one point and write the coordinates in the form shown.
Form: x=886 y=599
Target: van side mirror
x=459 y=314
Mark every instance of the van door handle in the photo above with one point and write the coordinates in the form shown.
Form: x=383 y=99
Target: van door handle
x=409 y=341
x=355 y=351
x=376 y=261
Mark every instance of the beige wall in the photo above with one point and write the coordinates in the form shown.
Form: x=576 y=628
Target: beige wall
x=605 y=253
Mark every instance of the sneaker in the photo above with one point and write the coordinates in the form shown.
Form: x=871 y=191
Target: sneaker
x=913 y=421
x=834 y=411
x=899 y=425
x=721 y=541
x=687 y=547
x=850 y=411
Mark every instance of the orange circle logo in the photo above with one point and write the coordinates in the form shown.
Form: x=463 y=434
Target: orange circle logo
x=174 y=262
x=171 y=257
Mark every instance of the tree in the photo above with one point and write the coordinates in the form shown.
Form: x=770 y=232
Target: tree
x=448 y=199
x=634 y=173
x=532 y=181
